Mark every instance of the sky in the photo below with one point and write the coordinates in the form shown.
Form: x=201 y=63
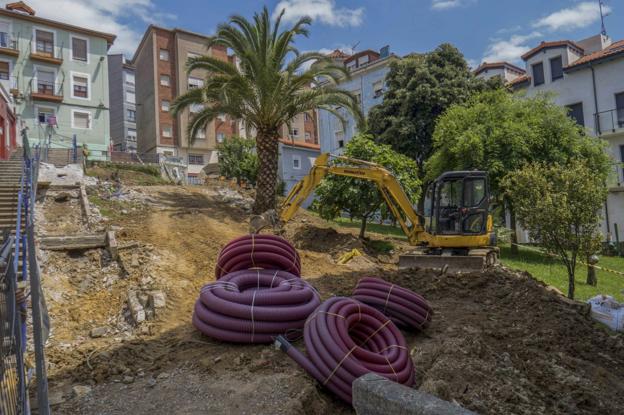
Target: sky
x=490 y=30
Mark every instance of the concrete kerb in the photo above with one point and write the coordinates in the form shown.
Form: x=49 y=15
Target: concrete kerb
x=376 y=395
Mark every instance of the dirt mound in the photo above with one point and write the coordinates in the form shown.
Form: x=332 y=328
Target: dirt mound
x=327 y=240
x=501 y=343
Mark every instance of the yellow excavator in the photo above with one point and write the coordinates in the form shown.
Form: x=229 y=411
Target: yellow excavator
x=454 y=233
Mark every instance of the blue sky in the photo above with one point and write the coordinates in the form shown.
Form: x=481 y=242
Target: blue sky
x=482 y=29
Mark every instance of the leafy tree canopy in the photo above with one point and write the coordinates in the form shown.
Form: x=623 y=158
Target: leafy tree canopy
x=238 y=159
x=560 y=207
x=360 y=199
x=419 y=89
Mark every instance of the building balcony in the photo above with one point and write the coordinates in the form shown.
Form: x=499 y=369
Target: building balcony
x=46 y=54
x=11 y=84
x=8 y=45
x=47 y=91
x=610 y=121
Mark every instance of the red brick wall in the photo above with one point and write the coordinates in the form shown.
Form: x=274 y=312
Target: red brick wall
x=165 y=40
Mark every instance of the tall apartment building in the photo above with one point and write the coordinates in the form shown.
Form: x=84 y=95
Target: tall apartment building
x=59 y=77
x=160 y=77
x=122 y=93
x=586 y=77
x=368 y=71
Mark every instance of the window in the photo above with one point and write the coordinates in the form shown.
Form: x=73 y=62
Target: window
x=377 y=89
x=575 y=111
x=131 y=135
x=5 y=35
x=130 y=97
x=619 y=105
x=165 y=80
x=556 y=68
x=167 y=131
x=195 y=82
x=339 y=135
x=164 y=105
x=196 y=159
x=45 y=82
x=164 y=55
x=79 y=49
x=44 y=42
x=307 y=136
x=220 y=137
x=306 y=117
x=129 y=78
x=131 y=115
x=351 y=65
x=4 y=71
x=80 y=86
x=296 y=162
x=201 y=134
x=294 y=132
x=474 y=192
x=81 y=119
x=46 y=115
x=538 y=74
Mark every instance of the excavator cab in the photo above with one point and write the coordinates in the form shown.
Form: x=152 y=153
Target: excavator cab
x=457 y=203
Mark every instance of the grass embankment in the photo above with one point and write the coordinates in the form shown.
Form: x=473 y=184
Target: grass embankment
x=544 y=268
x=129 y=174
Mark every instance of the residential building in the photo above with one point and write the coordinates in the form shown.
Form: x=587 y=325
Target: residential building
x=122 y=91
x=296 y=158
x=368 y=71
x=507 y=71
x=586 y=77
x=8 y=131
x=58 y=75
x=161 y=76
x=302 y=128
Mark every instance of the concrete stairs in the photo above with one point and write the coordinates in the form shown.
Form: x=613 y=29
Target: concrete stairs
x=10 y=176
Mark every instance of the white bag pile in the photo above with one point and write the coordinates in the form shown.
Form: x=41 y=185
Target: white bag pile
x=606 y=310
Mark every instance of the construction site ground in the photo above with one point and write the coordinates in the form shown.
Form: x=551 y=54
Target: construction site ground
x=500 y=342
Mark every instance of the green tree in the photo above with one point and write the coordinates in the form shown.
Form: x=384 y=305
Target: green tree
x=560 y=207
x=238 y=159
x=360 y=199
x=498 y=132
x=267 y=88
x=419 y=89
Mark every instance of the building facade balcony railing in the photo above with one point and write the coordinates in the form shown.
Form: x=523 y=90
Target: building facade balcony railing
x=616 y=176
x=47 y=91
x=47 y=52
x=8 y=44
x=610 y=121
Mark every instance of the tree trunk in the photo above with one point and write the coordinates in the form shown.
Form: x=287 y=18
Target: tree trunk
x=514 y=235
x=591 y=273
x=570 y=283
x=267 y=148
x=363 y=227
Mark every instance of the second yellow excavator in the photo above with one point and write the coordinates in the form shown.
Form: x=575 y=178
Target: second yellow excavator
x=455 y=231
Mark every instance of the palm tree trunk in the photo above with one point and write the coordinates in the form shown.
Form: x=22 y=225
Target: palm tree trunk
x=267 y=148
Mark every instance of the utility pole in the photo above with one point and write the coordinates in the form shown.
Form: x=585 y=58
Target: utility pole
x=602 y=16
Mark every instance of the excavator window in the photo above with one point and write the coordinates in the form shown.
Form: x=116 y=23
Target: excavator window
x=450 y=202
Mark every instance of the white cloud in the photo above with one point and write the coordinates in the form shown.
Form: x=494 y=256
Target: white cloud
x=323 y=11
x=509 y=49
x=110 y=16
x=448 y=4
x=577 y=17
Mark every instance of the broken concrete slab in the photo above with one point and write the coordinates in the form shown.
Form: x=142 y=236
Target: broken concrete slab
x=376 y=395
x=157 y=299
x=136 y=309
x=98 y=332
x=68 y=243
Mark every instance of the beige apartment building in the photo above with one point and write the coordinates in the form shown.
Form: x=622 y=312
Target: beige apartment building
x=161 y=76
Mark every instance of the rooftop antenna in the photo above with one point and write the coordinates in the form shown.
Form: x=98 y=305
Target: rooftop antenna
x=602 y=16
x=355 y=46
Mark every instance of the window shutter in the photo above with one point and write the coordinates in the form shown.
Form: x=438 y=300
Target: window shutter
x=43 y=36
x=81 y=120
x=79 y=49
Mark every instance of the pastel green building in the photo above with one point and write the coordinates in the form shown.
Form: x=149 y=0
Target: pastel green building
x=58 y=75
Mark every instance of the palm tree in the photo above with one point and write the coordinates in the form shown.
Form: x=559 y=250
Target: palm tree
x=266 y=90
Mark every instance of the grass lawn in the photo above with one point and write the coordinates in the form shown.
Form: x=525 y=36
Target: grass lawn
x=553 y=272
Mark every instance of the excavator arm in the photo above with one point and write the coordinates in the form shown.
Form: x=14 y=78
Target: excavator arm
x=389 y=187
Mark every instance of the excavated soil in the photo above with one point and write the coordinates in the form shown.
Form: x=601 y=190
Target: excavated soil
x=499 y=341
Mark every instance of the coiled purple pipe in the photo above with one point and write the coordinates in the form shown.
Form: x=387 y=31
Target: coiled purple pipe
x=404 y=307
x=258 y=251
x=254 y=306
x=346 y=339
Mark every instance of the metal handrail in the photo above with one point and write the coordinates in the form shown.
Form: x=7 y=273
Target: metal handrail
x=609 y=120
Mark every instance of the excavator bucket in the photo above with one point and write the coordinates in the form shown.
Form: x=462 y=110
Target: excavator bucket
x=477 y=260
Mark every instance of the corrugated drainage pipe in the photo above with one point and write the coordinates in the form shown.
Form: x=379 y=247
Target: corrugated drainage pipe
x=346 y=339
x=404 y=307
x=258 y=251
x=254 y=306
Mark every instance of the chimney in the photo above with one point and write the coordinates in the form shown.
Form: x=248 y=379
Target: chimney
x=20 y=7
x=595 y=43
